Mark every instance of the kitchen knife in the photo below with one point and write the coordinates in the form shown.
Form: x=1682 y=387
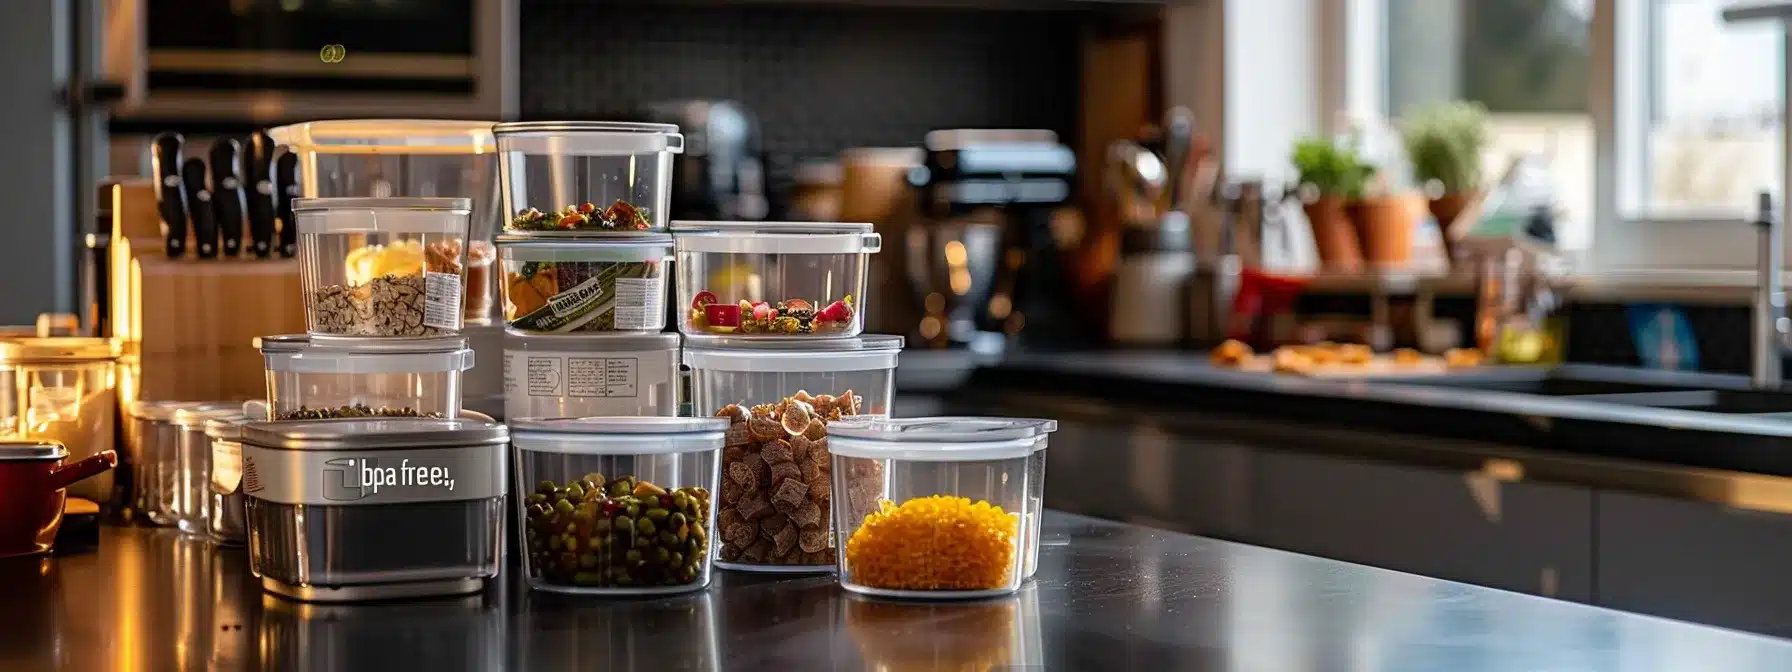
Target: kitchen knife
x=286 y=188
x=227 y=194
x=199 y=198
x=258 y=166
x=171 y=204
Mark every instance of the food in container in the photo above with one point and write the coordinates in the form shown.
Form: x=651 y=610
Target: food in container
x=618 y=505
x=382 y=266
x=578 y=375
x=574 y=176
x=64 y=390
x=349 y=486
x=225 y=506
x=378 y=377
x=952 y=516
x=773 y=279
x=409 y=157
x=780 y=398
x=34 y=477
x=588 y=283
x=193 y=463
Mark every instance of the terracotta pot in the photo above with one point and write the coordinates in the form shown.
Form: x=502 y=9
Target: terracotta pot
x=33 y=482
x=1385 y=224
x=1333 y=234
x=1446 y=210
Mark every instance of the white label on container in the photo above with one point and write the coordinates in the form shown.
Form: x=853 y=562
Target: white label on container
x=553 y=384
x=441 y=300
x=639 y=300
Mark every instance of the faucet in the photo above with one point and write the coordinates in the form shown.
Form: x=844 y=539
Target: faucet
x=1772 y=329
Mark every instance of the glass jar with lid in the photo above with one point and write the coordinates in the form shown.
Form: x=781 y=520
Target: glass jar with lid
x=584 y=176
x=382 y=267
x=773 y=279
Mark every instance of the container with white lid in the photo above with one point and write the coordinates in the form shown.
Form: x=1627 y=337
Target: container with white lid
x=193 y=464
x=617 y=505
x=780 y=396
x=578 y=375
x=408 y=157
x=391 y=377
x=226 y=523
x=773 y=279
x=382 y=267
x=586 y=175
x=584 y=282
x=952 y=516
x=64 y=389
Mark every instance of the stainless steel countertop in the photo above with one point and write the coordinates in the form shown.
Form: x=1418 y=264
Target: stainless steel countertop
x=1108 y=596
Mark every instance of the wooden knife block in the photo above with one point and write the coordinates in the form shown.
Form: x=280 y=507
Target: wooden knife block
x=188 y=324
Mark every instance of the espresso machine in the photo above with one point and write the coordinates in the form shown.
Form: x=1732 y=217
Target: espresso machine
x=982 y=263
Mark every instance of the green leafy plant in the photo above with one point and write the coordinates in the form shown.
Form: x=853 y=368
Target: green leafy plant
x=1444 y=142
x=1333 y=169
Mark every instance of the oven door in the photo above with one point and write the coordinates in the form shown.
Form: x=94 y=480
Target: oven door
x=267 y=61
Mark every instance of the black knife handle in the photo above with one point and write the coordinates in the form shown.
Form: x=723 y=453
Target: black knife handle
x=286 y=188
x=205 y=229
x=227 y=194
x=258 y=167
x=171 y=203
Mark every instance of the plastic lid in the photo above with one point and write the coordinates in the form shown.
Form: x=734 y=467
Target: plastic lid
x=777 y=237
x=281 y=343
x=621 y=435
x=447 y=216
x=940 y=439
x=594 y=342
x=803 y=354
x=374 y=355
x=588 y=137
x=161 y=411
x=227 y=428
x=381 y=136
x=364 y=345
x=193 y=416
x=12 y=450
x=583 y=246
x=58 y=349
x=371 y=433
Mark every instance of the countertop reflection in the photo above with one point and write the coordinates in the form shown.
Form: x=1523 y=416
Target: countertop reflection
x=1107 y=596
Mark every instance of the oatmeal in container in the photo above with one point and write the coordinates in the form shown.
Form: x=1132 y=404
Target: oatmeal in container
x=308 y=380
x=771 y=280
x=382 y=267
x=570 y=177
x=780 y=397
x=589 y=282
x=952 y=516
x=579 y=376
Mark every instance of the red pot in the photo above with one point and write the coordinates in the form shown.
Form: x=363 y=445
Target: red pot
x=32 y=482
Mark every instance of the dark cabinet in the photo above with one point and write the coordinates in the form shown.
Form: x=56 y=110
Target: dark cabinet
x=1695 y=561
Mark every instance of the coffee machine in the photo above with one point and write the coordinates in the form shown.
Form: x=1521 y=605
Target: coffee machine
x=982 y=263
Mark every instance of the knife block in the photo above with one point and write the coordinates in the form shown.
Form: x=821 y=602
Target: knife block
x=188 y=325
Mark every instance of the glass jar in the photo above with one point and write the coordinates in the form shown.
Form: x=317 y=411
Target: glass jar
x=383 y=267
x=579 y=376
x=389 y=377
x=617 y=505
x=586 y=175
x=780 y=397
x=773 y=279
x=409 y=157
x=225 y=522
x=592 y=282
x=157 y=467
x=64 y=389
x=951 y=516
x=193 y=464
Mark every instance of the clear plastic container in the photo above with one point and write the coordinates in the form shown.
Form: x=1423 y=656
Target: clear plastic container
x=594 y=282
x=586 y=175
x=409 y=157
x=193 y=462
x=64 y=389
x=779 y=397
x=582 y=376
x=386 y=377
x=617 y=505
x=225 y=507
x=952 y=515
x=390 y=267
x=773 y=279
x=154 y=477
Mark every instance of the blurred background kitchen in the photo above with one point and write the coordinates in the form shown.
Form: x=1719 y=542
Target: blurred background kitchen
x=1148 y=153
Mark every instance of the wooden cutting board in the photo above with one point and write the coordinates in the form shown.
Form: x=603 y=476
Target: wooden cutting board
x=1381 y=365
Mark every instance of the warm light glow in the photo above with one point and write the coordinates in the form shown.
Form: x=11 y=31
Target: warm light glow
x=935 y=303
x=930 y=327
x=955 y=254
x=999 y=306
x=961 y=281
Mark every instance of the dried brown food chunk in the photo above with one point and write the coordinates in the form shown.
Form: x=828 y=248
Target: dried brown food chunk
x=818 y=453
x=734 y=413
x=784 y=541
x=764 y=429
x=760 y=551
x=790 y=494
x=742 y=472
x=761 y=469
x=777 y=451
x=771 y=524
x=808 y=515
x=741 y=534
x=763 y=410
x=732 y=454
x=784 y=470
x=795 y=415
x=812 y=474
x=816 y=431
x=821 y=489
x=737 y=436
x=728 y=553
x=821 y=557
x=800 y=446
x=731 y=491
x=813 y=540
x=753 y=506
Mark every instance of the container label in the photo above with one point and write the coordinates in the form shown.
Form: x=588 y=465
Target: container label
x=227 y=466
x=546 y=296
x=441 y=300
x=556 y=377
x=374 y=477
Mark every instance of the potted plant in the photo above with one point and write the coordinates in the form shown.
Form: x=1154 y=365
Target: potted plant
x=1444 y=143
x=1331 y=177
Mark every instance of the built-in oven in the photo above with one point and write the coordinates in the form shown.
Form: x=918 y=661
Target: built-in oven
x=272 y=61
